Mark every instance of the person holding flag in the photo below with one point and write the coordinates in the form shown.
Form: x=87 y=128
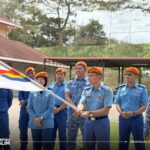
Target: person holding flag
x=40 y=108
x=95 y=105
x=73 y=94
x=24 y=116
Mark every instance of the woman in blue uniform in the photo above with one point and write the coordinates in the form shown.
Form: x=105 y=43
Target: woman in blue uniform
x=40 y=108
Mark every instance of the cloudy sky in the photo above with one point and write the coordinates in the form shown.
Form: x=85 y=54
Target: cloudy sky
x=127 y=25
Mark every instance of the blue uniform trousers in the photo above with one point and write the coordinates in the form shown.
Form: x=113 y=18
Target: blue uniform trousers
x=60 y=122
x=4 y=129
x=23 y=126
x=135 y=126
x=73 y=125
x=42 y=139
x=97 y=132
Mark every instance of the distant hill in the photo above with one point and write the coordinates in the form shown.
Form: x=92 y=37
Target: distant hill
x=113 y=50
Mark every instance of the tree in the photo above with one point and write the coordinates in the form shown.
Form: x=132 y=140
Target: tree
x=39 y=30
x=114 y=5
x=91 y=34
x=8 y=8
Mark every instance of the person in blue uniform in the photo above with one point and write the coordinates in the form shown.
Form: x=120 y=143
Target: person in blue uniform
x=24 y=116
x=131 y=101
x=147 y=123
x=60 y=110
x=95 y=105
x=40 y=108
x=73 y=94
x=6 y=97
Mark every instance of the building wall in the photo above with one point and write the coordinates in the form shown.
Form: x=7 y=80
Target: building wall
x=3 y=30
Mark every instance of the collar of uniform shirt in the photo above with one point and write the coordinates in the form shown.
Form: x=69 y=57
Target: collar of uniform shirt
x=62 y=83
x=85 y=79
x=135 y=85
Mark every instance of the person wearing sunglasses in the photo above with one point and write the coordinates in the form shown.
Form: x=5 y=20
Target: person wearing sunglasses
x=131 y=101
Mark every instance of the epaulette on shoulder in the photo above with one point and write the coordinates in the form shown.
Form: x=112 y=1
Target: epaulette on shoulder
x=88 y=87
x=141 y=85
x=121 y=85
x=49 y=88
x=71 y=80
x=104 y=86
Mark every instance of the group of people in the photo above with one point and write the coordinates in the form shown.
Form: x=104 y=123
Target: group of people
x=44 y=114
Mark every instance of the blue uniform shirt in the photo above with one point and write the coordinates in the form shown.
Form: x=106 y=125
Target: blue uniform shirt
x=6 y=97
x=58 y=89
x=41 y=104
x=147 y=119
x=131 y=99
x=23 y=95
x=95 y=99
x=75 y=88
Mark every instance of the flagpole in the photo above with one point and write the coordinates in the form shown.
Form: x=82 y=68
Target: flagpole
x=42 y=87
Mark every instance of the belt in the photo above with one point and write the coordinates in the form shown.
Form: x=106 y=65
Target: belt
x=97 y=118
x=57 y=105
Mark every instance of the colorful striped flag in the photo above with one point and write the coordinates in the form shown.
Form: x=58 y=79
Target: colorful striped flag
x=13 y=79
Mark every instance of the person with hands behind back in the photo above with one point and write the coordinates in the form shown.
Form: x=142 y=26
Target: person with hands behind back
x=94 y=105
x=40 y=108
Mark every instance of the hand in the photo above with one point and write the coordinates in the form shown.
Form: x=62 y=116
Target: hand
x=37 y=122
x=85 y=114
x=76 y=113
x=22 y=103
x=146 y=136
x=130 y=114
x=124 y=115
x=56 y=110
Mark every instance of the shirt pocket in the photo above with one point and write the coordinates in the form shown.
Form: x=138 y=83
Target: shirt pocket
x=136 y=97
x=123 y=98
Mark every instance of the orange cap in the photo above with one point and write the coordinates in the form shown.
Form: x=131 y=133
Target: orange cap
x=61 y=70
x=82 y=63
x=29 y=69
x=132 y=69
x=41 y=74
x=95 y=69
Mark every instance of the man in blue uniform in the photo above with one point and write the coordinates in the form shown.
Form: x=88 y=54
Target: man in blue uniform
x=73 y=94
x=94 y=105
x=24 y=116
x=6 y=97
x=60 y=110
x=147 y=123
x=131 y=101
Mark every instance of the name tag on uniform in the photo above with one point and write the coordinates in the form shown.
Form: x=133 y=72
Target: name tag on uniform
x=101 y=97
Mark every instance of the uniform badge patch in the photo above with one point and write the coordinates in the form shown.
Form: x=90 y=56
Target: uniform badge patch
x=101 y=97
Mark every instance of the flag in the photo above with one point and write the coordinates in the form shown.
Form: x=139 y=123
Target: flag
x=13 y=79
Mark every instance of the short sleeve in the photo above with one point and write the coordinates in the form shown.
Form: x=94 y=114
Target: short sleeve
x=108 y=100
x=83 y=98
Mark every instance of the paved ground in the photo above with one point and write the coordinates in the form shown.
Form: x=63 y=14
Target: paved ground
x=14 y=116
